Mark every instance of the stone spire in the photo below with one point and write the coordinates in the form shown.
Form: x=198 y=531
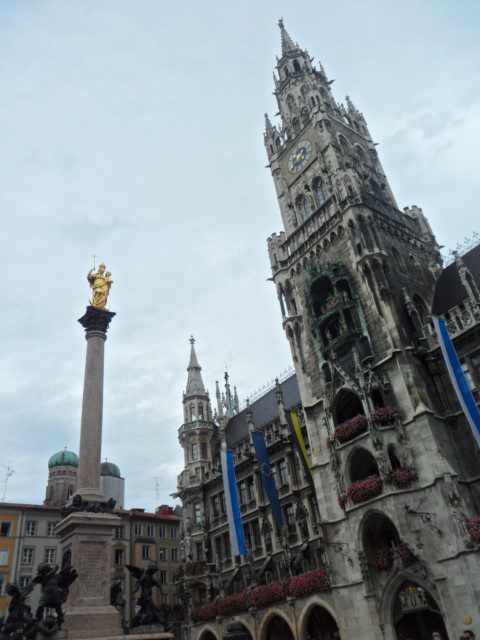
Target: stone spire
x=195 y=385
x=287 y=43
x=268 y=125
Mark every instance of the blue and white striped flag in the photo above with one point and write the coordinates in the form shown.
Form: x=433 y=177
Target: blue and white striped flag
x=237 y=537
x=460 y=385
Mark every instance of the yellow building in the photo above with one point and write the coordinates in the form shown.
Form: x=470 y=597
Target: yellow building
x=8 y=535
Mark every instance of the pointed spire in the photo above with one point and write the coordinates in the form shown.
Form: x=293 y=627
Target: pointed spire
x=195 y=385
x=287 y=43
x=268 y=125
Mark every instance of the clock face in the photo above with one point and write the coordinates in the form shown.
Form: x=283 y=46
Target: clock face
x=299 y=157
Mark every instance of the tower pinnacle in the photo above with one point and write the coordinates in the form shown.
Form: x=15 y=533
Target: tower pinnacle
x=287 y=43
x=194 y=381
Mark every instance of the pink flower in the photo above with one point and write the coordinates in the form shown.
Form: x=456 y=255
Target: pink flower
x=401 y=478
x=365 y=489
x=350 y=428
x=381 y=560
x=473 y=527
x=383 y=416
x=208 y=611
x=269 y=594
x=233 y=604
x=308 y=583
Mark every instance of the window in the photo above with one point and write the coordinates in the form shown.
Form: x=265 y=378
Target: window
x=145 y=552
x=5 y=529
x=304 y=206
x=203 y=450
x=200 y=412
x=27 y=556
x=321 y=191
x=4 y=558
x=51 y=528
x=471 y=371
x=118 y=556
x=193 y=415
x=174 y=531
x=283 y=472
x=290 y=516
x=195 y=451
x=49 y=555
x=275 y=474
x=24 y=581
x=119 y=533
x=162 y=531
x=150 y=530
x=174 y=555
x=200 y=554
x=138 y=529
x=198 y=512
x=468 y=376
x=163 y=575
x=31 y=528
x=162 y=553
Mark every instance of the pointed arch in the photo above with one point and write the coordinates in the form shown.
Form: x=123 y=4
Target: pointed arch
x=209 y=634
x=276 y=626
x=361 y=465
x=318 y=620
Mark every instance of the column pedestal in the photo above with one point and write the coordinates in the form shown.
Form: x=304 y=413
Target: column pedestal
x=86 y=537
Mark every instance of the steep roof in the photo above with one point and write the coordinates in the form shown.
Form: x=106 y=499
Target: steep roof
x=195 y=386
x=449 y=290
x=264 y=410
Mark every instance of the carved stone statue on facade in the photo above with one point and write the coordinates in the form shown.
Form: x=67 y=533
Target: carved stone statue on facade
x=148 y=612
x=266 y=531
x=301 y=517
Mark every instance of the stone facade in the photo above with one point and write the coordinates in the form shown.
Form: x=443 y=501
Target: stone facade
x=396 y=469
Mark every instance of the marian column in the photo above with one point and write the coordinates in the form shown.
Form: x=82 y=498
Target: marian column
x=86 y=529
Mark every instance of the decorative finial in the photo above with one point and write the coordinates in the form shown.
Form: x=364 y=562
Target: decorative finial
x=280 y=24
x=192 y=340
x=100 y=283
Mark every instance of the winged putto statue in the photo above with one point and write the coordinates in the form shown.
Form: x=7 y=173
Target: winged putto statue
x=146 y=611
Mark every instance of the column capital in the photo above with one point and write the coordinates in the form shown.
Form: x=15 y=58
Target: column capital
x=96 y=319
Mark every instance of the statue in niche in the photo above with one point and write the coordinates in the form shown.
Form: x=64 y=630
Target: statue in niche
x=100 y=283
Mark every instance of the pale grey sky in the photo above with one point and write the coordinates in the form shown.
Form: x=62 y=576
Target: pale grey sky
x=132 y=129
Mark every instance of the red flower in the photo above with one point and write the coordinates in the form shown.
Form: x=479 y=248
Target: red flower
x=308 y=583
x=404 y=555
x=233 y=604
x=383 y=416
x=194 y=615
x=208 y=611
x=473 y=527
x=381 y=560
x=365 y=489
x=269 y=594
x=350 y=428
x=401 y=478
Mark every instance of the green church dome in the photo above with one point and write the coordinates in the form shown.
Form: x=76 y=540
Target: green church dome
x=110 y=469
x=63 y=459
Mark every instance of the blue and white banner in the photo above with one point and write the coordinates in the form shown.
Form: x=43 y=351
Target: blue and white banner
x=237 y=537
x=268 y=480
x=460 y=385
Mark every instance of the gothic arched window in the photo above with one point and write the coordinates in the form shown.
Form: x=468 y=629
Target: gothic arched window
x=200 y=412
x=344 y=145
x=304 y=205
x=296 y=126
x=291 y=104
x=52 y=494
x=193 y=415
x=296 y=66
x=320 y=190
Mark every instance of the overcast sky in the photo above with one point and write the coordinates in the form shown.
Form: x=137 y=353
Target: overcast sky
x=132 y=129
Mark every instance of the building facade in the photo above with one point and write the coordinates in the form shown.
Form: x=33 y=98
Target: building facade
x=386 y=545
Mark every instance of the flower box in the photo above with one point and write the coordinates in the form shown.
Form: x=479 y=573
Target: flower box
x=307 y=583
x=381 y=560
x=364 y=489
x=404 y=555
x=350 y=428
x=208 y=611
x=266 y=595
x=237 y=603
x=473 y=527
x=383 y=416
x=401 y=478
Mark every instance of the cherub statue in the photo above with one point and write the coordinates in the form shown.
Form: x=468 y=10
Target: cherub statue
x=55 y=585
x=148 y=612
x=100 y=283
x=18 y=613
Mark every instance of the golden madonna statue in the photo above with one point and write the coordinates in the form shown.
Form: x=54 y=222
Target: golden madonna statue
x=100 y=283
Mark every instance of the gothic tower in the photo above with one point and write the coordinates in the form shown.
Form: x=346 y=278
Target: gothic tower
x=355 y=278
x=197 y=437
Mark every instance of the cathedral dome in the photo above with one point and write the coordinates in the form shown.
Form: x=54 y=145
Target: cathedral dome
x=63 y=459
x=110 y=469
